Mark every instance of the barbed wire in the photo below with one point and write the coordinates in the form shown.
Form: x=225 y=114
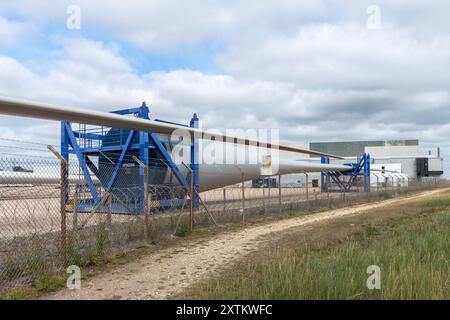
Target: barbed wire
x=26 y=142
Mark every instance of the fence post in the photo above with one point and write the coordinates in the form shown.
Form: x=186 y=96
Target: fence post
x=146 y=202
x=243 y=199
x=75 y=209
x=385 y=184
x=345 y=189
x=64 y=192
x=279 y=192
x=191 y=202
x=63 y=202
x=110 y=209
x=328 y=191
x=146 y=206
x=264 y=196
x=307 y=185
x=224 y=199
x=307 y=191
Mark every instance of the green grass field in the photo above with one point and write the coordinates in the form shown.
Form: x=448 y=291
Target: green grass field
x=412 y=253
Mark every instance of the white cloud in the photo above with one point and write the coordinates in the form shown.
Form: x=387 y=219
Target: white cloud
x=168 y=24
x=307 y=67
x=343 y=56
x=13 y=32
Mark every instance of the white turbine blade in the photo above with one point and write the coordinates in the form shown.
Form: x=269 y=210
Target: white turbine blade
x=39 y=110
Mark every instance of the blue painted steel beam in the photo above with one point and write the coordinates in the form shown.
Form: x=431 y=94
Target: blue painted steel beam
x=133 y=146
x=73 y=142
x=323 y=175
x=92 y=166
x=65 y=155
x=367 y=173
x=127 y=111
x=91 y=136
x=144 y=113
x=194 y=160
x=144 y=157
x=160 y=147
x=119 y=163
x=335 y=177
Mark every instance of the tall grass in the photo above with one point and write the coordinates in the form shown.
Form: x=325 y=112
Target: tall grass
x=413 y=257
x=438 y=202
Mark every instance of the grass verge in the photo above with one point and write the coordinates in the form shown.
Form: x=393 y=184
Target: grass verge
x=413 y=255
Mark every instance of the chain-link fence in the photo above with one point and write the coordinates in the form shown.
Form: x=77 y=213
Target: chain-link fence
x=53 y=214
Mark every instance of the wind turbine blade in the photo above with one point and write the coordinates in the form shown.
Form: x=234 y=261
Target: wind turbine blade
x=26 y=108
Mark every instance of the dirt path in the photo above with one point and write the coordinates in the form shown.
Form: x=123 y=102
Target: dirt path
x=163 y=273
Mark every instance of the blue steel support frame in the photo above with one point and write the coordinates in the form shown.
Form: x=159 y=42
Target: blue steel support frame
x=143 y=150
x=361 y=168
x=144 y=113
x=194 y=160
x=323 y=184
x=65 y=155
x=69 y=139
x=92 y=166
x=120 y=161
x=72 y=141
x=162 y=150
x=367 y=173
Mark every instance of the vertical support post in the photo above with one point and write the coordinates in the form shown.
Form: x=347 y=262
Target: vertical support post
x=194 y=160
x=328 y=191
x=345 y=188
x=307 y=187
x=110 y=210
x=76 y=203
x=192 y=201
x=307 y=191
x=224 y=199
x=367 y=173
x=264 y=194
x=243 y=199
x=323 y=175
x=279 y=192
x=144 y=157
x=144 y=141
x=64 y=171
x=64 y=154
x=64 y=196
x=146 y=202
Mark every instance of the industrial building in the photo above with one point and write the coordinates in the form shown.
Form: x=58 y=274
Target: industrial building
x=398 y=160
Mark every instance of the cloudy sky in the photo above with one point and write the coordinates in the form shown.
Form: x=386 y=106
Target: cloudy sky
x=325 y=70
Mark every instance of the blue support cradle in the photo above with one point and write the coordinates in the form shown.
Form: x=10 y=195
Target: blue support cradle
x=100 y=149
x=360 y=169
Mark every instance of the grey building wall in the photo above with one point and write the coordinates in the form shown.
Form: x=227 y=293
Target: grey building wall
x=356 y=148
